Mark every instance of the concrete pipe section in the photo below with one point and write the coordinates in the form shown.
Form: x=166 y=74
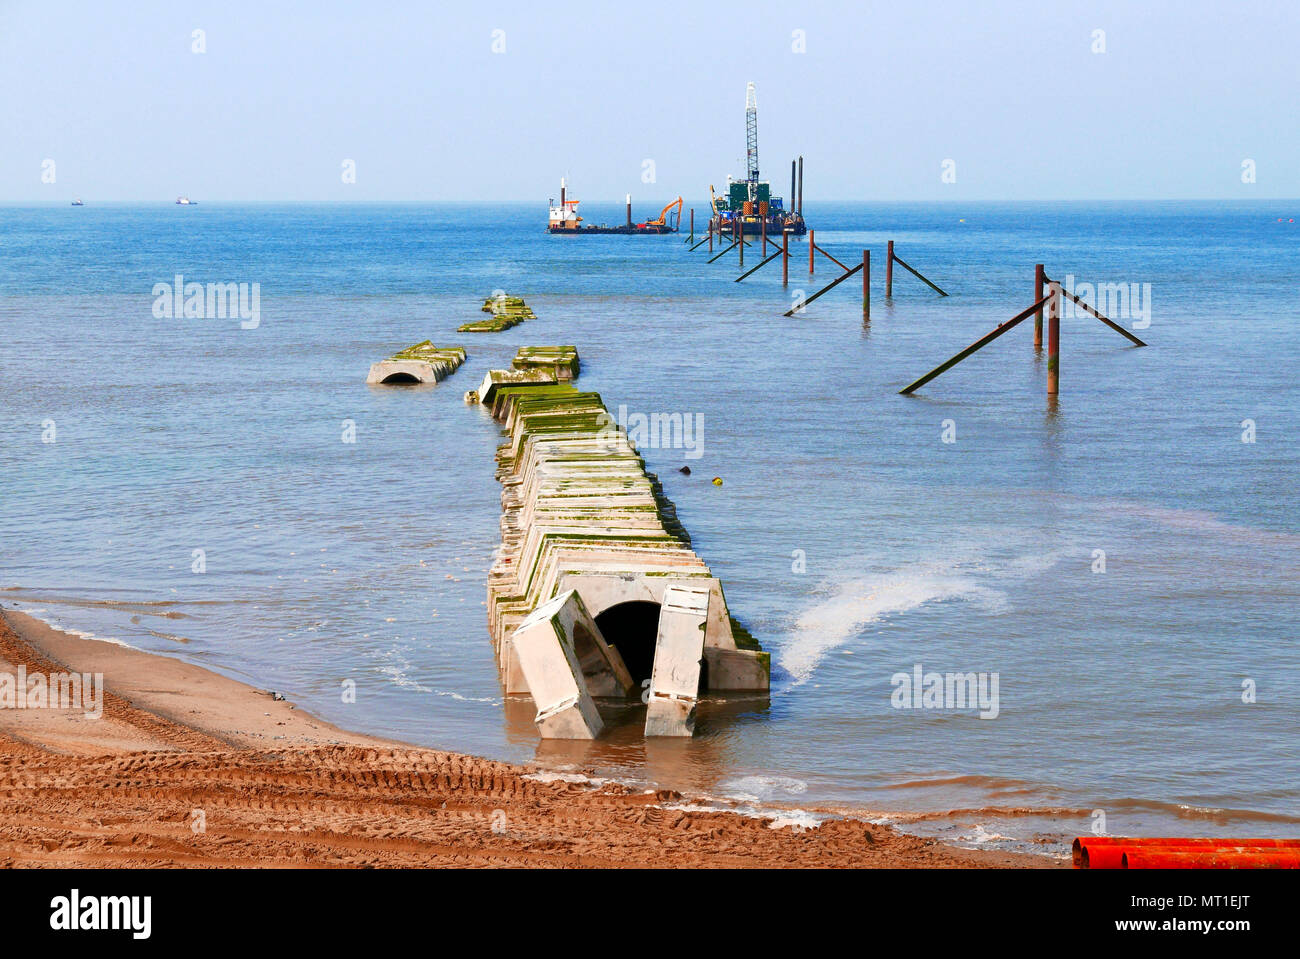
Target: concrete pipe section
x=421 y=363
x=595 y=581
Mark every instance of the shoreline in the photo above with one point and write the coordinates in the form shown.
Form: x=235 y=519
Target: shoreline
x=189 y=768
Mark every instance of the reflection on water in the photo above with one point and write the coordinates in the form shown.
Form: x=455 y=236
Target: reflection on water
x=696 y=765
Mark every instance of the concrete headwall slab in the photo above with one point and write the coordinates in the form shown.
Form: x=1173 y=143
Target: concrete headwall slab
x=679 y=653
x=495 y=378
x=604 y=589
x=546 y=653
x=562 y=360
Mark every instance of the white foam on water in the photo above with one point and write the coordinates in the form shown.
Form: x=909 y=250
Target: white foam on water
x=980 y=835
x=398 y=670
x=796 y=819
x=858 y=602
x=43 y=615
x=964 y=573
x=762 y=788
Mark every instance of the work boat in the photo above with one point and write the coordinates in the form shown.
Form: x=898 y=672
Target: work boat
x=564 y=219
x=748 y=205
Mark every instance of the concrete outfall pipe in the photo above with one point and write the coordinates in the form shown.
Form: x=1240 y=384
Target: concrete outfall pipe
x=595 y=577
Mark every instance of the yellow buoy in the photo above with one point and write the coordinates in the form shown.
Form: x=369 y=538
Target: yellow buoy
x=717 y=481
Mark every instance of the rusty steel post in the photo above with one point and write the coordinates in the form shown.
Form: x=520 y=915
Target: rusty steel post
x=889 y=270
x=785 y=257
x=866 y=284
x=825 y=289
x=812 y=247
x=710 y=234
x=801 y=186
x=1038 y=295
x=763 y=232
x=979 y=344
x=740 y=235
x=1054 y=339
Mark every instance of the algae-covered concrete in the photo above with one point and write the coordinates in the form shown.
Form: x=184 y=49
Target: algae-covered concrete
x=582 y=517
x=507 y=311
x=565 y=661
x=561 y=360
x=421 y=363
x=679 y=655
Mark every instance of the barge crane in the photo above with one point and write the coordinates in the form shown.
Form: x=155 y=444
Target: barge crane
x=748 y=204
x=751 y=141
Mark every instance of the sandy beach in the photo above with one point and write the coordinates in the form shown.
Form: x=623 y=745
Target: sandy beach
x=188 y=768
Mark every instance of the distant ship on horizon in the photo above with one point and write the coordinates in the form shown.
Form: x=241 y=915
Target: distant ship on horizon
x=186 y=201
x=78 y=202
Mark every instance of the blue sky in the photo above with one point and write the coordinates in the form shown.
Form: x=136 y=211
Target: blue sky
x=1012 y=92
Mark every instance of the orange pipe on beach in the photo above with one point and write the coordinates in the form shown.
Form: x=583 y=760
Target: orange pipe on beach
x=1202 y=857
x=1106 y=852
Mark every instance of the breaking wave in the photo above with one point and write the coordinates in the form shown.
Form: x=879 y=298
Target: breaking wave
x=855 y=603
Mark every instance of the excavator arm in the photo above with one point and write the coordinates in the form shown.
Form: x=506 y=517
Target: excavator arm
x=663 y=214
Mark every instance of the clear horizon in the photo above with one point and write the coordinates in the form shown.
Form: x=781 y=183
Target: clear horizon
x=936 y=102
x=638 y=205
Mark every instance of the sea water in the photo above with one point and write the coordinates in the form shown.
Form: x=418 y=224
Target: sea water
x=1122 y=559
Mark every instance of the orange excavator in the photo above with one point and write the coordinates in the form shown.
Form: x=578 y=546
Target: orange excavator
x=564 y=219
x=663 y=216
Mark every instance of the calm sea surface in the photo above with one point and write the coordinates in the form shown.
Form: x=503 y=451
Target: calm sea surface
x=852 y=540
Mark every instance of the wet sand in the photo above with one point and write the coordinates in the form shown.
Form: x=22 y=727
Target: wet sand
x=189 y=768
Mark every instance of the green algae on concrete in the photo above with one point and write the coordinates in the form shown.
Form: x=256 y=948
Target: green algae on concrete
x=421 y=363
x=743 y=637
x=507 y=304
x=429 y=353
x=580 y=511
x=494 y=325
x=563 y=360
x=501 y=382
x=507 y=311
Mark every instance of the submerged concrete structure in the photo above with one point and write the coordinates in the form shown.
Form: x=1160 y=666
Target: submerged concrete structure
x=532 y=366
x=421 y=363
x=487 y=391
x=507 y=311
x=561 y=360
x=566 y=662
x=583 y=520
x=679 y=652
